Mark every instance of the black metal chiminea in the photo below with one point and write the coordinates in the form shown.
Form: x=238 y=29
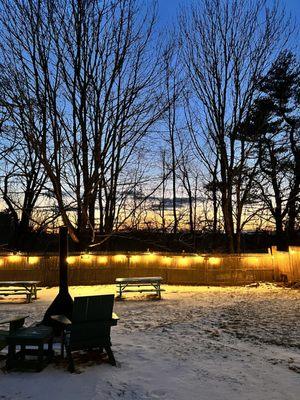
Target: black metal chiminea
x=63 y=302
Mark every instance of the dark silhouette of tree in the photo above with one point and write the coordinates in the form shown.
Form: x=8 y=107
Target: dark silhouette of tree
x=274 y=124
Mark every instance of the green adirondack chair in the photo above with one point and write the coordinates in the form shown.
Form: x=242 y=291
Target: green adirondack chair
x=90 y=327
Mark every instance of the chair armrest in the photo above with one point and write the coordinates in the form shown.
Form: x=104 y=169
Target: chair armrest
x=110 y=322
x=62 y=319
x=114 y=319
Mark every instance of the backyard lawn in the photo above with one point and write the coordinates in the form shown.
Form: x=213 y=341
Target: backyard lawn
x=232 y=343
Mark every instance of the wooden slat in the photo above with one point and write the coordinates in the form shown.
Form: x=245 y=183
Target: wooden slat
x=143 y=290
x=138 y=284
x=13 y=293
x=17 y=283
x=62 y=319
x=13 y=319
x=146 y=279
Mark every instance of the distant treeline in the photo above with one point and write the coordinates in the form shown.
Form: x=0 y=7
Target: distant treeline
x=124 y=241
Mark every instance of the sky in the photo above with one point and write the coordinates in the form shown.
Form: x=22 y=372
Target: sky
x=168 y=8
x=167 y=11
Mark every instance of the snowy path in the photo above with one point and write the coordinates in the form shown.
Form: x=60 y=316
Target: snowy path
x=197 y=343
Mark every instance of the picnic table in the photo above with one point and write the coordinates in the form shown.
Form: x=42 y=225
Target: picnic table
x=12 y=288
x=140 y=284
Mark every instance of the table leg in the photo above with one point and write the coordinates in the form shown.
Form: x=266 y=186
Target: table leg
x=28 y=293
x=34 y=290
x=62 y=347
x=22 y=352
x=50 y=350
x=40 y=360
x=11 y=356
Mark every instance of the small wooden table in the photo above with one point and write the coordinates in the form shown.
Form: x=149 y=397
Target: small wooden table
x=27 y=338
x=140 y=284
x=13 y=288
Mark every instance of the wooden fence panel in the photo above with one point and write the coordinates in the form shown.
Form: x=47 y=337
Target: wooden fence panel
x=206 y=269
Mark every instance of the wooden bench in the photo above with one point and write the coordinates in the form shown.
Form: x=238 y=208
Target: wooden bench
x=139 y=284
x=15 y=288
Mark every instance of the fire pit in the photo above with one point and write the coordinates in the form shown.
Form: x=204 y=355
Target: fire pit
x=63 y=303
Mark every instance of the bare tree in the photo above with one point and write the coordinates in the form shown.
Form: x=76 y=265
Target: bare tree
x=226 y=46
x=96 y=87
x=22 y=176
x=173 y=86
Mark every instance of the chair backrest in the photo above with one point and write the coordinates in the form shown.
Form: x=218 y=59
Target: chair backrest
x=88 y=323
x=93 y=308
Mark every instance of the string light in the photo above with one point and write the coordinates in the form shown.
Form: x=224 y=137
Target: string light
x=102 y=260
x=214 y=261
x=135 y=258
x=166 y=260
x=86 y=257
x=120 y=258
x=15 y=258
x=33 y=260
x=71 y=260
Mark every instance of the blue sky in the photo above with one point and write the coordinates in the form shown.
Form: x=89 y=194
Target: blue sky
x=167 y=11
x=168 y=8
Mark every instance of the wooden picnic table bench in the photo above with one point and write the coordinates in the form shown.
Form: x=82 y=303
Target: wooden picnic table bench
x=13 y=288
x=139 y=284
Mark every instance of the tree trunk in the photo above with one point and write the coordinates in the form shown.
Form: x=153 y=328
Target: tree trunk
x=280 y=234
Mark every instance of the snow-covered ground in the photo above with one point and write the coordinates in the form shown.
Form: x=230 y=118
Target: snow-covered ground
x=233 y=343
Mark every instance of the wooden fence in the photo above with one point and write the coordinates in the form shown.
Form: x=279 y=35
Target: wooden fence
x=185 y=269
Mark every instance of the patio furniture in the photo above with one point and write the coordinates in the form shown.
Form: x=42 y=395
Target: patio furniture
x=15 y=288
x=92 y=320
x=31 y=342
x=139 y=284
x=15 y=323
